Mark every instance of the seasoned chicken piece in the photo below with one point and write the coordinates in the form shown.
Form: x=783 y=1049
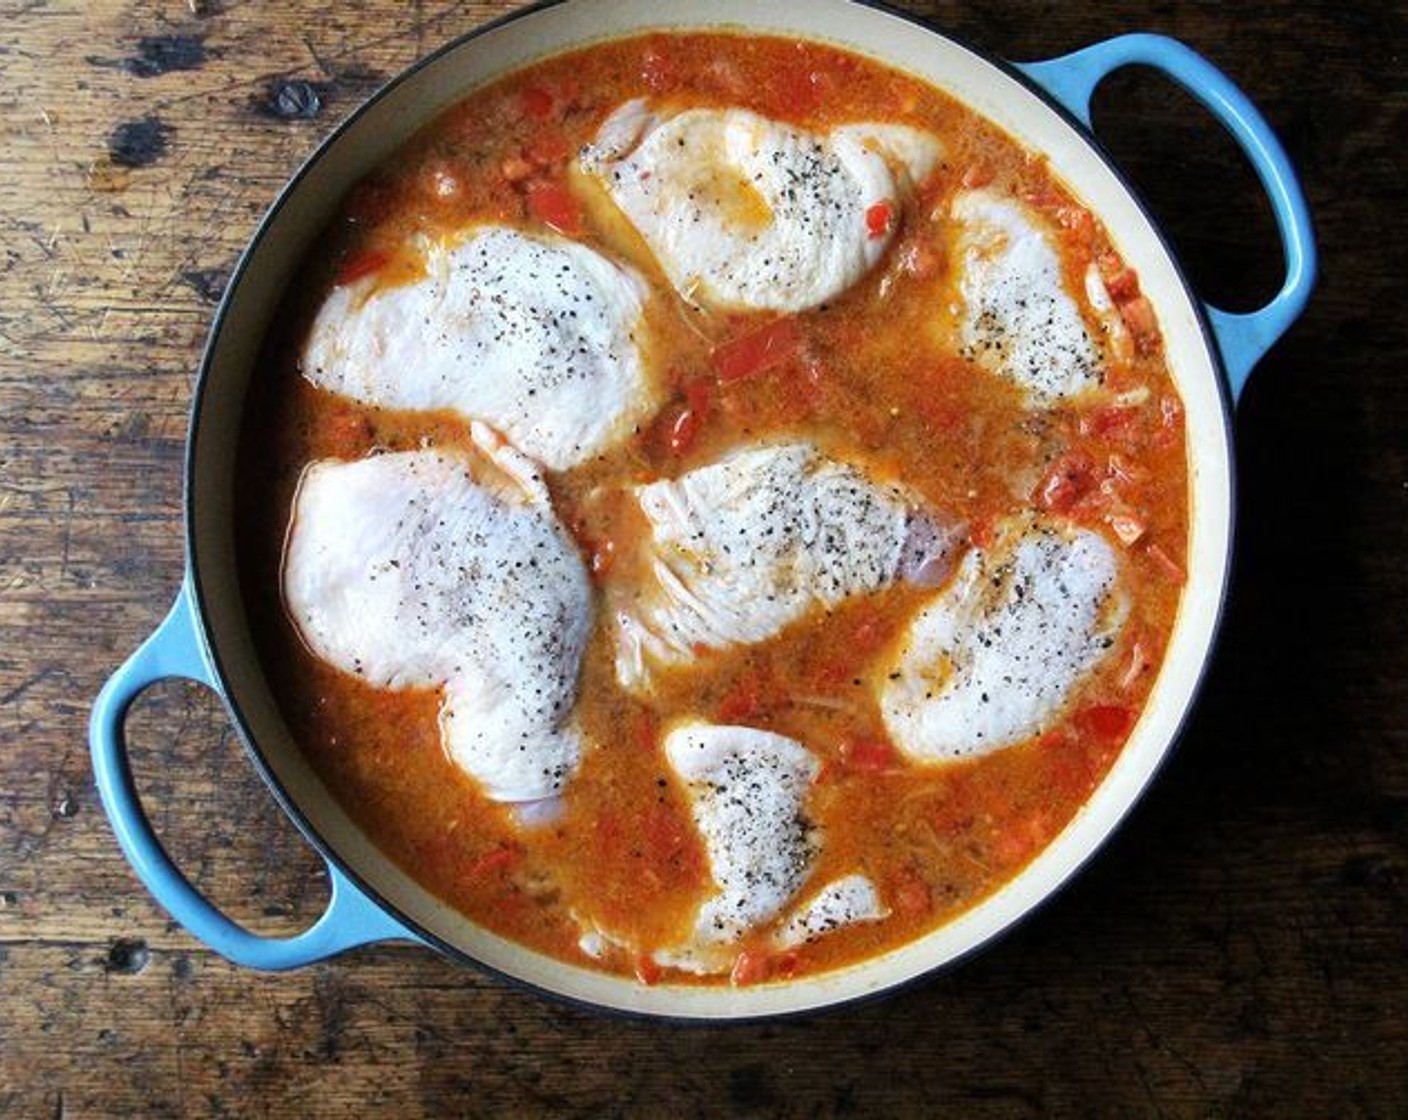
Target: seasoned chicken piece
x=537 y=336
x=741 y=548
x=843 y=902
x=1018 y=319
x=427 y=569
x=1000 y=650
x=747 y=790
x=747 y=213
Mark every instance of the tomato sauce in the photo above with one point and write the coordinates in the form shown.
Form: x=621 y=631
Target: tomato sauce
x=874 y=377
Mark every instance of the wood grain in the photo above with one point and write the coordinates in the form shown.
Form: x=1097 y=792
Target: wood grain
x=1240 y=949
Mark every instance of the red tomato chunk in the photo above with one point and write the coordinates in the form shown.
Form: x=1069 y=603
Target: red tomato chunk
x=762 y=350
x=556 y=206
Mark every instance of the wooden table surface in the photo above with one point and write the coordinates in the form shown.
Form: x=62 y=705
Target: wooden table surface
x=1240 y=949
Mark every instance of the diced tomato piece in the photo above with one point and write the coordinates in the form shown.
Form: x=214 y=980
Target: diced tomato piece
x=697 y=394
x=1123 y=286
x=494 y=862
x=556 y=206
x=877 y=218
x=911 y=895
x=1070 y=478
x=1047 y=199
x=1111 y=420
x=1054 y=739
x=801 y=88
x=755 y=353
x=1076 y=219
x=1071 y=767
x=1121 y=281
x=515 y=169
x=674 y=430
x=983 y=531
x=600 y=551
x=1166 y=562
x=1104 y=721
x=536 y=102
x=1127 y=527
x=978 y=174
x=548 y=149
x=954 y=814
x=646 y=970
x=1079 y=221
x=869 y=756
x=1021 y=838
x=670 y=844
x=1139 y=317
x=684 y=430
x=1018 y=839
x=603 y=555
x=364 y=263
x=744 y=700
x=751 y=966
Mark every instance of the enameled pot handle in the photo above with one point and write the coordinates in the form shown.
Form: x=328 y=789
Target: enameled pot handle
x=1072 y=79
x=175 y=650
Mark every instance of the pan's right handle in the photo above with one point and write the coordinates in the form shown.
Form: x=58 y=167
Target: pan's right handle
x=1242 y=338
x=175 y=649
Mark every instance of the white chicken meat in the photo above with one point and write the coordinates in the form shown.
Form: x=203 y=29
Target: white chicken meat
x=739 y=549
x=842 y=902
x=1001 y=649
x=747 y=790
x=535 y=335
x=426 y=569
x=1018 y=319
x=746 y=213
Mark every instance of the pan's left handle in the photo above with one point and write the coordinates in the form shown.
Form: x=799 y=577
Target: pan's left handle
x=1242 y=337
x=175 y=650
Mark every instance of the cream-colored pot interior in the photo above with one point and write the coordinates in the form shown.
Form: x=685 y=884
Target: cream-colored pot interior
x=382 y=125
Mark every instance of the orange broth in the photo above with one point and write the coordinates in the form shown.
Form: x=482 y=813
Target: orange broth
x=874 y=377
